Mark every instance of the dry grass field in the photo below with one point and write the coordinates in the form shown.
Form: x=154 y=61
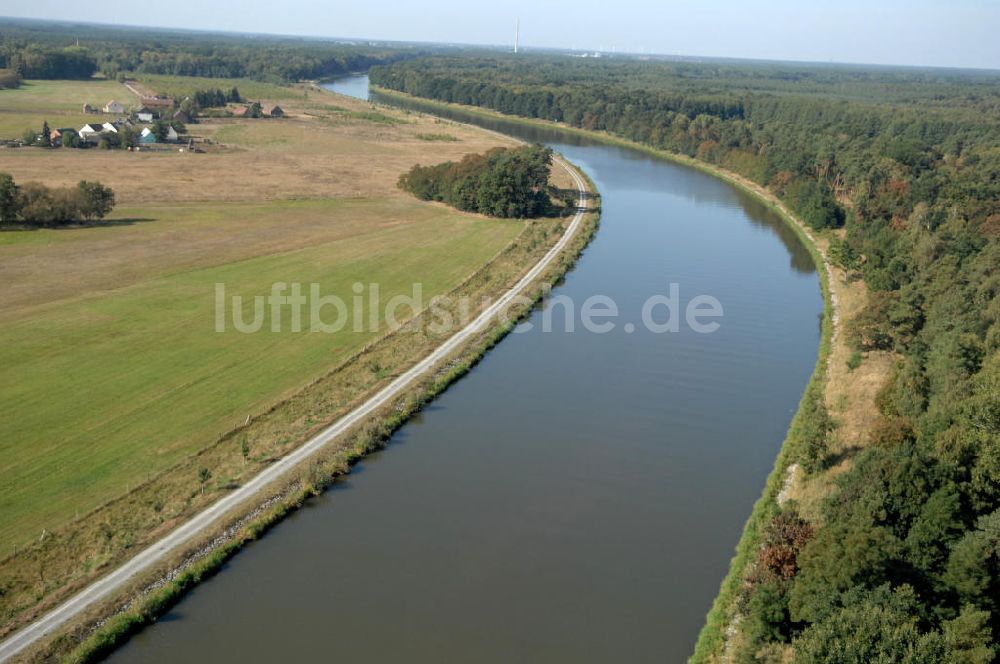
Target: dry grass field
x=327 y=147
x=110 y=370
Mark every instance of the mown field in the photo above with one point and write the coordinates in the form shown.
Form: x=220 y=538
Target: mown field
x=110 y=368
x=112 y=384
x=59 y=102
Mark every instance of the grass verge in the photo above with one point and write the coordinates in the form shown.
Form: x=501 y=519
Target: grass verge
x=87 y=645
x=712 y=639
x=304 y=187
x=115 y=366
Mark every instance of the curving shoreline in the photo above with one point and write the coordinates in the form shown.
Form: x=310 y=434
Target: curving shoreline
x=746 y=542
x=376 y=418
x=722 y=618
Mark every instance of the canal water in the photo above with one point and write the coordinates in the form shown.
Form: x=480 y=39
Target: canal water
x=577 y=497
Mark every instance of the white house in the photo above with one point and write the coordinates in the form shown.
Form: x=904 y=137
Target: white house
x=115 y=107
x=90 y=129
x=91 y=132
x=171 y=134
x=144 y=115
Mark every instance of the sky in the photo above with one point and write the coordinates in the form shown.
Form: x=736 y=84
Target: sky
x=946 y=33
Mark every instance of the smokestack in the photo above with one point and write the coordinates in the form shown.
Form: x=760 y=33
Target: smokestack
x=517 y=35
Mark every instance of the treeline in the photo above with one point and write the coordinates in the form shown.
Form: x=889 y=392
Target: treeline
x=903 y=561
x=34 y=204
x=48 y=50
x=38 y=61
x=504 y=182
x=273 y=63
x=216 y=98
x=816 y=149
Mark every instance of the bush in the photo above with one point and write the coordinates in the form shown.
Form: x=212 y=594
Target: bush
x=892 y=431
x=9 y=79
x=872 y=329
x=814 y=428
x=873 y=626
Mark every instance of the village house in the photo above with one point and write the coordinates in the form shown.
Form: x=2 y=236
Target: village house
x=92 y=131
x=275 y=112
x=61 y=135
x=146 y=114
x=88 y=109
x=158 y=103
x=148 y=136
x=182 y=116
x=90 y=128
x=240 y=112
x=114 y=107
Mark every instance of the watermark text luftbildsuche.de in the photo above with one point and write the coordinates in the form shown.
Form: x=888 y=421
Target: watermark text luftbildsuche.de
x=298 y=308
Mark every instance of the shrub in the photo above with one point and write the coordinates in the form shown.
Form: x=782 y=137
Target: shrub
x=815 y=425
x=892 y=431
x=9 y=79
x=872 y=329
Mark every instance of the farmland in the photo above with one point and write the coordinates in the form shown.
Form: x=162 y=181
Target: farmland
x=112 y=366
x=59 y=102
x=118 y=374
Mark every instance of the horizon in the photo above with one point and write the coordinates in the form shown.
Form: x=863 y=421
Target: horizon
x=921 y=36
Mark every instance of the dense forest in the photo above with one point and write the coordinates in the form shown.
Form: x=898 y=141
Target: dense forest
x=511 y=183
x=49 y=50
x=34 y=61
x=904 y=562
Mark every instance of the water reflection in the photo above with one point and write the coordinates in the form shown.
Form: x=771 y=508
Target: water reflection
x=646 y=172
x=576 y=497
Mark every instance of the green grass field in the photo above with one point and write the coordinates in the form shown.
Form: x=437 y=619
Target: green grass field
x=110 y=367
x=59 y=102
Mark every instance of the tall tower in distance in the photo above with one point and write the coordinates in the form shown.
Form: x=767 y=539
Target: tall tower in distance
x=517 y=34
